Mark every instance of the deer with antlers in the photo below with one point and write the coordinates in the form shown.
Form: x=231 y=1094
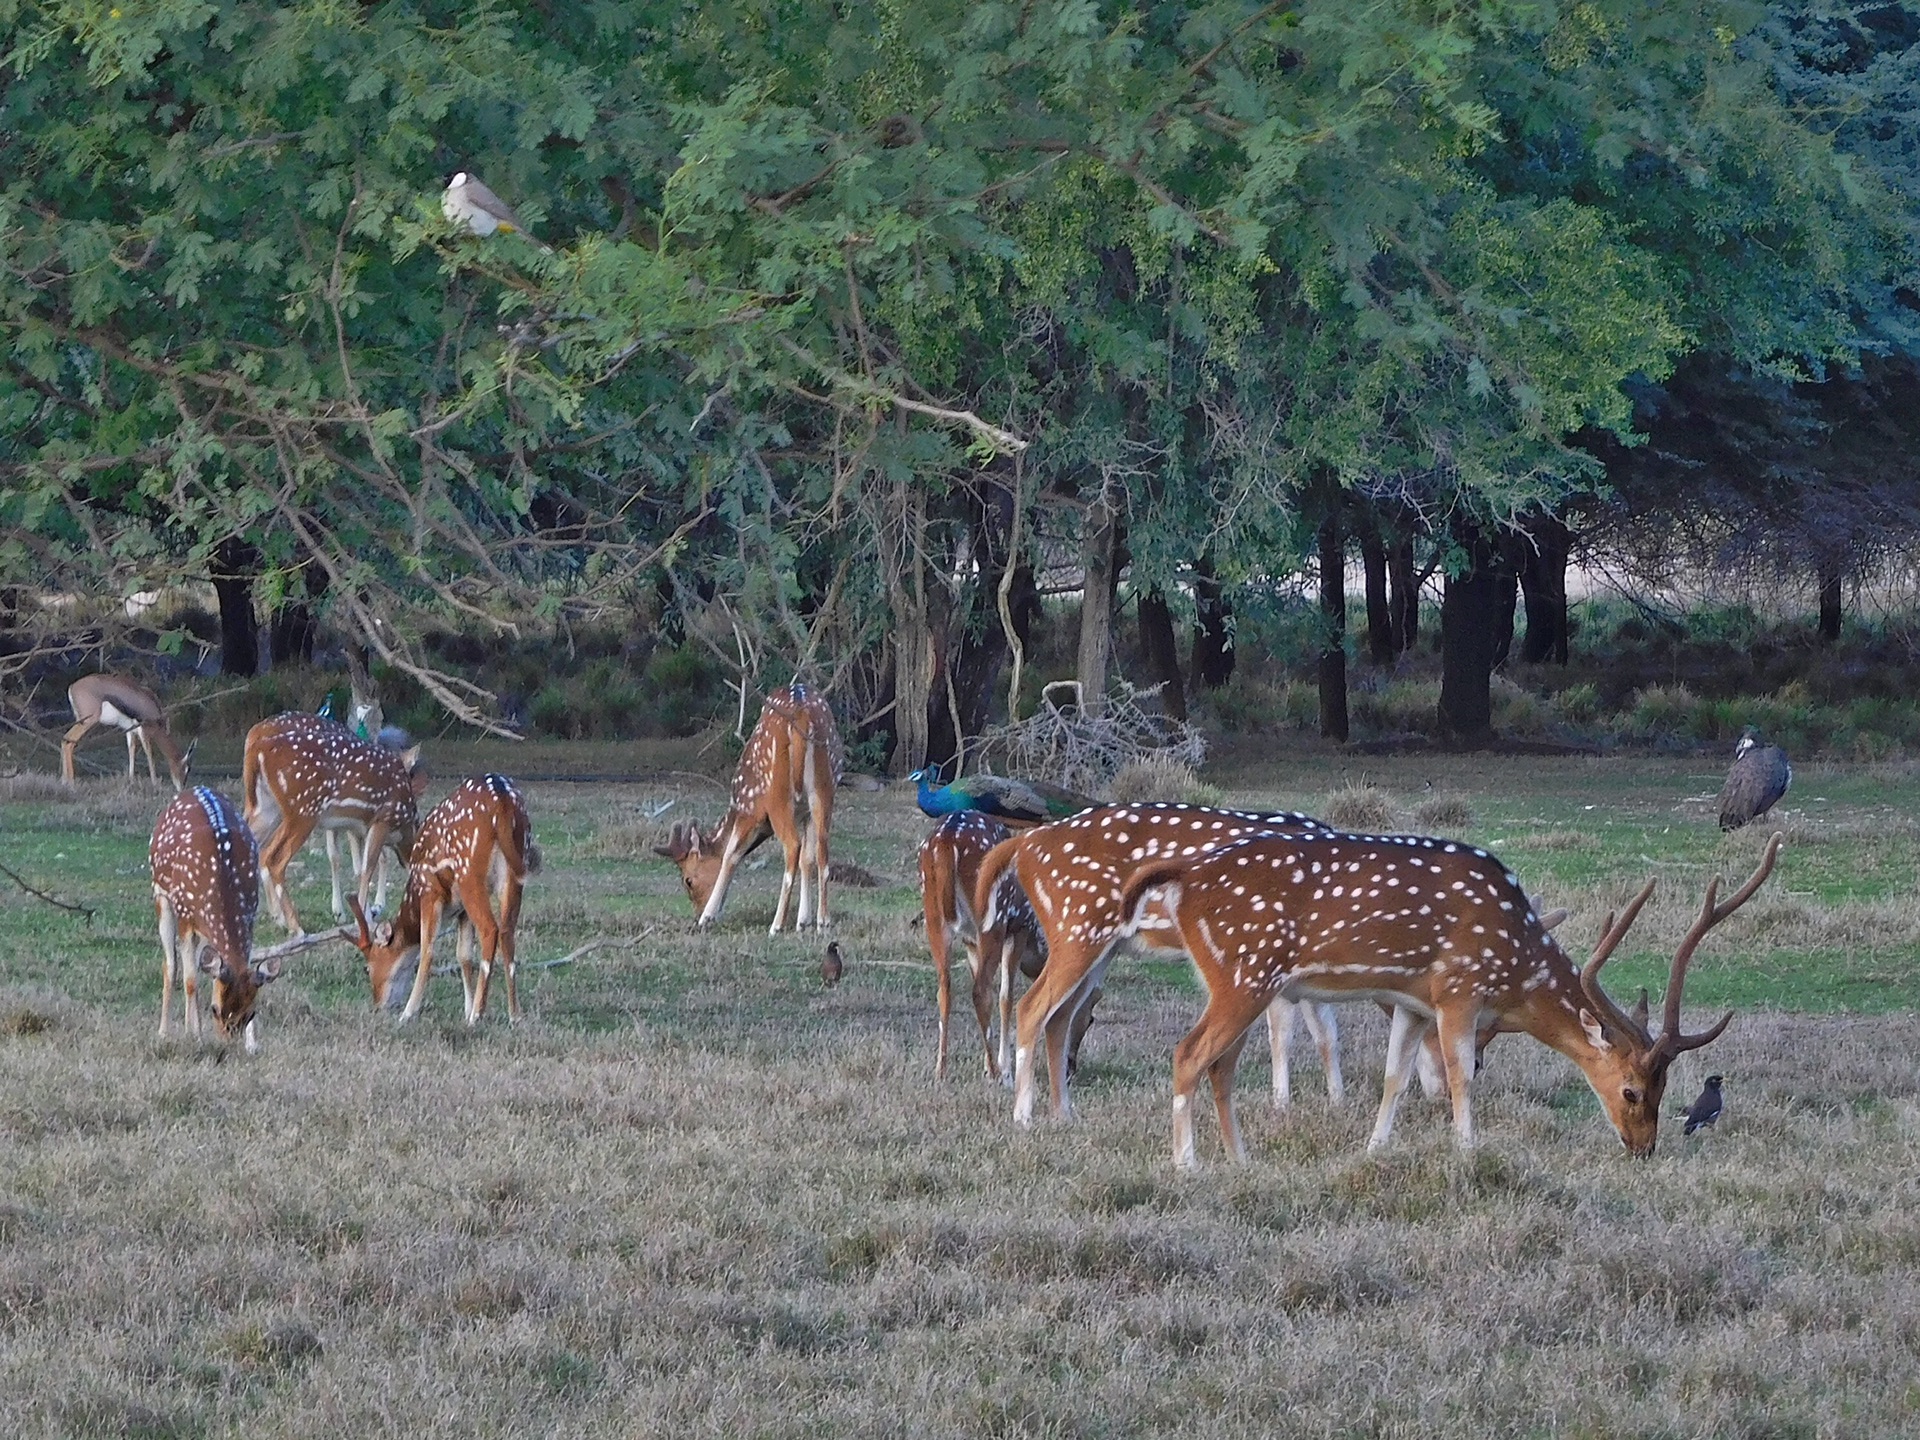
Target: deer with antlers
x=300 y=772
x=116 y=701
x=470 y=864
x=1440 y=930
x=1073 y=872
x=206 y=890
x=783 y=787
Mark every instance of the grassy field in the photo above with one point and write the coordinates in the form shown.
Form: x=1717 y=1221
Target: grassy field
x=697 y=1194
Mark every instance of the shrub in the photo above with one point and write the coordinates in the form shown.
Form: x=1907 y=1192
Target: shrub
x=1160 y=777
x=1364 y=807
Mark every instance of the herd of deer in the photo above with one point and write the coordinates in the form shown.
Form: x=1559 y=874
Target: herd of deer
x=1280 y=914
x=465 y=863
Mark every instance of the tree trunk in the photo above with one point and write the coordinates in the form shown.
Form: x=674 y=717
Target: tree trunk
x=913 y=657
x=1506 y=601
x=1469 y=615
x=1333 y=626
x=1212 y=631
x=1543 y=580
x=235 y=563
x=1373 y=559
x=1163 y=655
x=1403 y=605
x=1829 y=605
x=1099 y=550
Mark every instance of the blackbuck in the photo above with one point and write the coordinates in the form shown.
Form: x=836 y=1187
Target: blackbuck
x=300 y=772
x=783 y=787
x=1073 y=871
x=206 y=890
x=1443 y=932
x=116 y=701
x=469 y=864
x=949 y=864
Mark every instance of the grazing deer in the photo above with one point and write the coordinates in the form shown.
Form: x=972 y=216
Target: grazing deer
x=301 y=771
x=1440 y=930
x=114 y=700
x=1073 y=871
x=949 y=863
x=470 y=864
x=784 y=787
x=206 y=889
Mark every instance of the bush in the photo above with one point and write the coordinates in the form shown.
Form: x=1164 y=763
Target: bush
x=1160 y=777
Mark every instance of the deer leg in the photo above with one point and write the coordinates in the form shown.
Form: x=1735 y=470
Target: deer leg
x=471 y=985
x=70 y=743
x=1222 y=1028
x=190 y=981
x=1433 y=1066
x=1220 y=1076
x=480 y=924
x=1065 y=1027
x=1324 y=1028
x=169 y=924
x=1067 y=965
x=809 y=878
x=510 y=942
x=1082 y=1022
x=372 y=842
x=130 y=744
x=729 y=862
x=1280 y=1017
x=987 y=958
x=146 y=744
x=1403 y=1045
x=940 y=941
x=430 y=904
x=1458 y=1048
x=1003 y=1069
x=274 y=859
x=786 y=830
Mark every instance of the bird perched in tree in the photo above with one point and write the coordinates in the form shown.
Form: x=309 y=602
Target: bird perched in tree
x=470 y=203
x=831 y=967
x=1704 y=1111
x=1759 y=777
x=1017 y=802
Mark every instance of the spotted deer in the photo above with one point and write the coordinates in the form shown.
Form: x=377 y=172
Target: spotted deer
x=469 y=864
x=206 y=890
x=1073 y=871
x=300 y=772
x=114 y=700
x=1440 y=930
x=949 y=863
x=783 y=787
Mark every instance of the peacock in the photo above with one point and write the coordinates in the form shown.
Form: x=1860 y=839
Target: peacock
x=1017 y=802
x=1758 y=780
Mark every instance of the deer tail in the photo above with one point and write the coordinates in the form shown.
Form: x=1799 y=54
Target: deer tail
x=1154 y=872
x=986 y=884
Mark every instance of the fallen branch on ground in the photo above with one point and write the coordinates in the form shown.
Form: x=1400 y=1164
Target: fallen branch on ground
x=85 y=910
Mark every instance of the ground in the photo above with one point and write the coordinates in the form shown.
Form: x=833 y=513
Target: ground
x=698 y=1193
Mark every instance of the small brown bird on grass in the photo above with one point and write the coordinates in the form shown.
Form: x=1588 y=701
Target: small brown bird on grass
x=831 y=967
x=1704 y=1111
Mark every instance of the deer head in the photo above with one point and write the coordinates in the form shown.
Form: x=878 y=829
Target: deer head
x=236 y=990
x=1629 y=1064
x=387 y=950
x=698 y=858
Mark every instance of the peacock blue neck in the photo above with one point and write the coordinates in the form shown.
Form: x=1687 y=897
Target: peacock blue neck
x=942 y=801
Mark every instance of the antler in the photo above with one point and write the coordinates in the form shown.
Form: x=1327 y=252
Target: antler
x=1612 y=932
x=1672 y=1042
x=304 y=942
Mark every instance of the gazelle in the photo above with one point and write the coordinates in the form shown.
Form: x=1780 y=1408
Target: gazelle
x=114 y=700
x=301 y=771
x=206 y=890
x=1440 y=930
x=469 y=864
x=949 y=863
x=783 y=787
x=1073 y=871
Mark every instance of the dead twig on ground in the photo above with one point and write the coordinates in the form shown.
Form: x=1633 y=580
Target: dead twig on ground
x=86 y=910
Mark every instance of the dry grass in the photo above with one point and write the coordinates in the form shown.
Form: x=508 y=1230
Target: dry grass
x=697 y=1194
x=1361 y=806
x=1161 y=778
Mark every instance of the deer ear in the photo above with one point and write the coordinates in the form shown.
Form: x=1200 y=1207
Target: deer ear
x=383 y=933
x=268 y=971
x=1595 y=1031
x=212 y=964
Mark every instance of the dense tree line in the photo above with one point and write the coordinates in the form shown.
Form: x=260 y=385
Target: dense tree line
x=860 y=321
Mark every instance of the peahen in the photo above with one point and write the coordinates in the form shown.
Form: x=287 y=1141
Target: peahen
x=1018 y=802
x=1758 y=780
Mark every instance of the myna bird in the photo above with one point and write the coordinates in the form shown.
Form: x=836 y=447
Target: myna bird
x=470 y=203
x=831 y=967
x=1704 y=1111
